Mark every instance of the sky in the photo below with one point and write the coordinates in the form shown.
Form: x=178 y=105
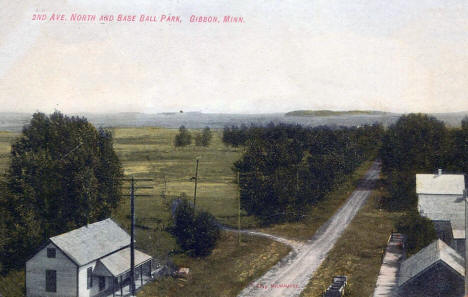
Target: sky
x=398 y=56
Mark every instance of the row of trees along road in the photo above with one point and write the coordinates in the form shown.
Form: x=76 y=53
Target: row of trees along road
x=63 y=173
x=419 y=143
x=287 y=168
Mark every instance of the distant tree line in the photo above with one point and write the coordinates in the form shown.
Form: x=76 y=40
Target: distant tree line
x=63 y=173
x=287 y=168
x=418 y=143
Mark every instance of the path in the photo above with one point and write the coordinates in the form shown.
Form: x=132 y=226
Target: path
x=291 y=275
x=387 y=282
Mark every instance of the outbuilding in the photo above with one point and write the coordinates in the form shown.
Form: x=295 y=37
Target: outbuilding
x=93 y=260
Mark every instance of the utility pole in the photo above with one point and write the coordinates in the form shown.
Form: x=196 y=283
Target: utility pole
x=132 y=227
x=465 y=194
x=239 y=211
x=196 y=182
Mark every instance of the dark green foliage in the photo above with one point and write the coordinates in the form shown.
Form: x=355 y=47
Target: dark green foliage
x=204 y=138
x=420 y=231
x=63 y=173
x=418 y=143
x=236 y=136
x=196 y=234
x=287 y=168
x=184 y=137
x=458 y=153
x=400 y=186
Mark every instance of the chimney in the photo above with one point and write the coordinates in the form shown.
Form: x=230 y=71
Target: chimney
x=439 y=171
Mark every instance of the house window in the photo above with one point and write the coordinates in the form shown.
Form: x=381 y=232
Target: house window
x=50 y=253
x=89 y=277
x=102 y=283
x=51 y=281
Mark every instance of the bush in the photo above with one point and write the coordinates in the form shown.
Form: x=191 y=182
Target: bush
x=183 y=138
x=196 y=234
x=204 y=138
x=420 y=231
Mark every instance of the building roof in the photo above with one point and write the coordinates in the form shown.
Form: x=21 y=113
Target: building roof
x=428 y=256
x=444 y=208
x=119 y=262
x=91 y=242
x=443 y=184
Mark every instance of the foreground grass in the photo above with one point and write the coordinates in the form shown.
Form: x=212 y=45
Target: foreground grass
x=322 y=211
x=358 y=253
x=225 y=272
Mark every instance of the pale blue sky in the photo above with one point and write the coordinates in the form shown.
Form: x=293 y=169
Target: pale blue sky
x=402 y=56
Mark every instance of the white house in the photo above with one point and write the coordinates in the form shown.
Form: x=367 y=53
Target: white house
x=440 y=198
x=93 y=260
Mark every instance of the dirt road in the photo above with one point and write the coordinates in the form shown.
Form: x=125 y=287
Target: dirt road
x=291 y=275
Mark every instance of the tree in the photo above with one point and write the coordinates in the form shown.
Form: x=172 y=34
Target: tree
x=204 y=138
x=196 y=234
x=417 y=142
x=420 y=231
x=183 y=138
x=63 y=174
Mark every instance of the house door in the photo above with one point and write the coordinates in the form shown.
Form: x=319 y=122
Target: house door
x=102 y=283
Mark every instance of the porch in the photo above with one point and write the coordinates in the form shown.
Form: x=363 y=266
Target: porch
x=116 y=269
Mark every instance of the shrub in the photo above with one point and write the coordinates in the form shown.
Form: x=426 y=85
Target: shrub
x=204 y=138
x=196 y=234
x=183 y=138
x=420 y=231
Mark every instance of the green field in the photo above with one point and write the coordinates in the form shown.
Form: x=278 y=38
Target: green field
x=150 y=153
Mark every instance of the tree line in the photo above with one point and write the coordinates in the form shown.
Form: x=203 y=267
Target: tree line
x=287 y=168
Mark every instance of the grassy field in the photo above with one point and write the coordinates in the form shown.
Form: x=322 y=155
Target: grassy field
x=354 y=255
x=6 y=139
x=150 y=153
x=225 y=272
x=321 y=212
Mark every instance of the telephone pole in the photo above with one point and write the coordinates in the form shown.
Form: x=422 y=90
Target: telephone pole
x=239 y=211
x=132 y=226
x=196 y=182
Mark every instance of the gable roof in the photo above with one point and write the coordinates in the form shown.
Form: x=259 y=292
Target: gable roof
x=91 y=242
x=428 y=256
x=444 y=184
x=119 y=262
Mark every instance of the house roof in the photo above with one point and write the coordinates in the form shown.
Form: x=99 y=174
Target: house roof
x=444 y=208
x=443 y=184
x=91 y=242
x=428 y=256
x=119 y=262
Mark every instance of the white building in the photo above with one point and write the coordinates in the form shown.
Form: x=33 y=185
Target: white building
x=440 y=198
x=93 y=260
